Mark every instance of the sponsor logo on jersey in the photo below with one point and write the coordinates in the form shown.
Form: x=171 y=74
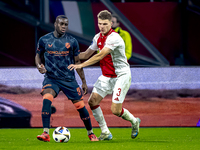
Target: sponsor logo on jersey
x=50 y=45
x=58 y=53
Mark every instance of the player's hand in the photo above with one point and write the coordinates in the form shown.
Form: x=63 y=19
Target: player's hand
x=73 y=66
x=41 y=68
x=85 y=88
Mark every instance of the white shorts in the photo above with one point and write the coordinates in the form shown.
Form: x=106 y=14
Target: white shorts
x=119 y=86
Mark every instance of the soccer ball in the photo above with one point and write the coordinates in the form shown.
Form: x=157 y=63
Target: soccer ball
x=61 y=134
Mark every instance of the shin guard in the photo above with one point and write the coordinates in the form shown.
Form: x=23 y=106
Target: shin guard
x=85 y=117
x=46 y=113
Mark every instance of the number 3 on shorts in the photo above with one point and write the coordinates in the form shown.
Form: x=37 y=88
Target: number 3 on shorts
x=118 y=94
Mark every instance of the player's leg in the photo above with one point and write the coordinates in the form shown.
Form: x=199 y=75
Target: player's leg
x=48 y=96
x=126 y=115
x=94 y=101
x=49 y=92
x=120 y=90
x=85 y=117
x=100 y=90
x=74 y=93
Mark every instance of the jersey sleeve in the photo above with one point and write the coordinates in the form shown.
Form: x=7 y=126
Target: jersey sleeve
x=93 y=45
x=114 y=40
x=40 y=47
x=76 y=48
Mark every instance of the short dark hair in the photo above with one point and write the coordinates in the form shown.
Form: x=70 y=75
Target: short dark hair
x=117 y=18
x=104 y=14
x=61 y=16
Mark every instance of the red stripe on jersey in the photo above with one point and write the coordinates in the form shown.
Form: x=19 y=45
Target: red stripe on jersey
x=106 y=63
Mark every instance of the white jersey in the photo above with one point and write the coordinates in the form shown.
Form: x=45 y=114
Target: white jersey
x=115 y=63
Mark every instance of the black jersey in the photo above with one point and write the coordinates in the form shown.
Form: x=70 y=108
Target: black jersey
x=58 y=54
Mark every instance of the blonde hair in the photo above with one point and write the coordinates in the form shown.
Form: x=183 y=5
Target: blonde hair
x=104 y=14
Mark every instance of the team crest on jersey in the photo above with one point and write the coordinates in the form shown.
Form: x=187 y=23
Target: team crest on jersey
x=99 y=43
x=67 y=45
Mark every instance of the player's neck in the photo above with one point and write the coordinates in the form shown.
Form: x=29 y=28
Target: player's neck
x=57 y=35
x=107 y=33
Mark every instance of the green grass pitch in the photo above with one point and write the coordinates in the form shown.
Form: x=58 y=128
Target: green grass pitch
x=148 y=139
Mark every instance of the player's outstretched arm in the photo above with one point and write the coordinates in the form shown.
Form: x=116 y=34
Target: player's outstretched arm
x=94 y=59
x=86 y=54
x=81 y=75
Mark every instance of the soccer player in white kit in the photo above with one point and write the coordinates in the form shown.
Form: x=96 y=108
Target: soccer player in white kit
x=115 y=78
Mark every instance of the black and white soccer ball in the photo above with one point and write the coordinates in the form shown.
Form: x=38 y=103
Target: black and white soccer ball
x=61 y=135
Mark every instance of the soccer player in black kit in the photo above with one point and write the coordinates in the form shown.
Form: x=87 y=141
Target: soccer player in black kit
x=59 y=50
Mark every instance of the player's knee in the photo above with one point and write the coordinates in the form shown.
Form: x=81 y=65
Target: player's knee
x=93 y=101
x=48 y=91
x=79 y=105
x=48 y=96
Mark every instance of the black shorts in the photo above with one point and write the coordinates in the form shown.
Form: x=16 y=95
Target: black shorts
x=70 y=88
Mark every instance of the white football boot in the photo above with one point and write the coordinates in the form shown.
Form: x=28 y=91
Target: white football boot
x=135 y=128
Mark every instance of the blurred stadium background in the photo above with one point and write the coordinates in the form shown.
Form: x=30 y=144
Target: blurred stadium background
x=164 y=63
